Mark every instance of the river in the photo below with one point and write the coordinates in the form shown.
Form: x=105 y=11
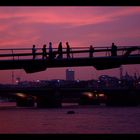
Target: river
x=84 y=120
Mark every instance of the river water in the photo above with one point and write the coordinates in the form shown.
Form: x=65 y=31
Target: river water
x=85 y=120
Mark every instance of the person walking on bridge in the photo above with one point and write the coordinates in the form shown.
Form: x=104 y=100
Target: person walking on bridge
x=34 y=51
x=50 y=51
x=68 y=50
x=44 y=52
x=60 y=53
x=114 y=50
x=91 y=50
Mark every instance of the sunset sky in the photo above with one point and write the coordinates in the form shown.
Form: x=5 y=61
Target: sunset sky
x=21 y=27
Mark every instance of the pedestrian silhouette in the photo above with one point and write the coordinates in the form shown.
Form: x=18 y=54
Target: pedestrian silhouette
x=50 y=50
x=91 y=50
x=34 y=51
x=68 y=50
x=60 y=54
x=114 y=50
x=44 y=52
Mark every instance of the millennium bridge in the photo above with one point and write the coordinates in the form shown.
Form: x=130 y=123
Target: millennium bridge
x=100 y=57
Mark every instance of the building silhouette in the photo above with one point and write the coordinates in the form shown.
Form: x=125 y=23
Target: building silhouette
x=70 y=75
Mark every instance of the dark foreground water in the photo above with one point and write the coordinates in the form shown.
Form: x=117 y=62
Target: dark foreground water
x=86 y=120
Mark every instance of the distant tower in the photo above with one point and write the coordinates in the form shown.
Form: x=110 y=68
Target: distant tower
x=121 y=72
x=70 y=75
x=135 y=76
x=12 y=77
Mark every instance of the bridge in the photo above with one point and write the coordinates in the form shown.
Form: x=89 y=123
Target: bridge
x=47 y=96
x=101 y=58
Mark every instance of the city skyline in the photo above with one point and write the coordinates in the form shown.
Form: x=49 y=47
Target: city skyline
x=21 y=27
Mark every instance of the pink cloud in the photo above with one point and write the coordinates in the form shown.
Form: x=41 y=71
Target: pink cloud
x=68 y=15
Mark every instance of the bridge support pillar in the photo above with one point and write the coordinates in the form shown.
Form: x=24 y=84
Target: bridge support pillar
x=27 y=101
x=49 y=100
x=122 y=98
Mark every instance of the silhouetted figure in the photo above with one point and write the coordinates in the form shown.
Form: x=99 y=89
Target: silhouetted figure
x=60 y=54
x=91 y=50
x=68 y=49
x=50 y=50
x=44 y=52
x=114 y=50
x=34 y=51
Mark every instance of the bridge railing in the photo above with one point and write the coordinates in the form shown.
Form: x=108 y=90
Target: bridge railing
x=76 y=52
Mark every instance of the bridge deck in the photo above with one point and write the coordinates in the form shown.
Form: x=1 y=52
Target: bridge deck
x=79 y=57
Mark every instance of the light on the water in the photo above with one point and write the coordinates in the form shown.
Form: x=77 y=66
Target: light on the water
x=21 y=95
x=90 y=95
x=101 y=95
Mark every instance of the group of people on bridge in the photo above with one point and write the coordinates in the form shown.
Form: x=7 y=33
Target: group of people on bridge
x=52 y=54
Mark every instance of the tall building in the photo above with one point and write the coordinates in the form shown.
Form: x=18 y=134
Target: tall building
x=121 y=72
x=69 y=75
